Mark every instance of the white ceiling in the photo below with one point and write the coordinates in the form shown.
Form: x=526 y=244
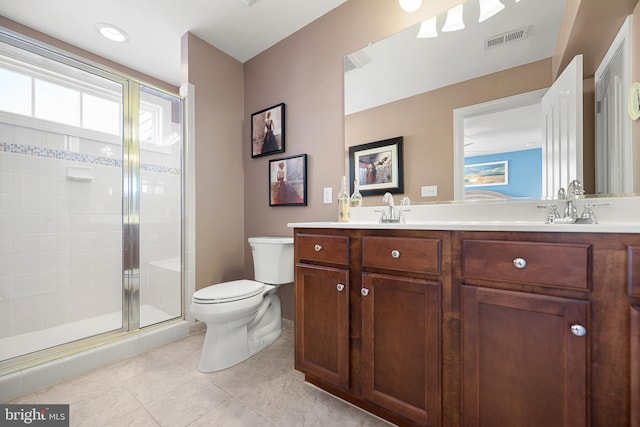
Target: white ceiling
x=156 y=26
x=503 y=131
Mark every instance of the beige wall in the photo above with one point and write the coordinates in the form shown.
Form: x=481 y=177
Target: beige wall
x=589 y=27
x=218 y=81
x=305 y=71
x=426 y=122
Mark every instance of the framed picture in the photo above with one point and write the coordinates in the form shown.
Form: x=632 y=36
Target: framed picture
x=378 y=166
x=483 y=174
x=288 y=181
x=267 y=131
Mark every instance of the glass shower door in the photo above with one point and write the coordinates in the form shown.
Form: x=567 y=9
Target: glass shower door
x=160 y=130
x=61 y=239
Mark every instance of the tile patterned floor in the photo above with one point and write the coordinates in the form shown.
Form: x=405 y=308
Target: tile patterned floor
x=163 y=387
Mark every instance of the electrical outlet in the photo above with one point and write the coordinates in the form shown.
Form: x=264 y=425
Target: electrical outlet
x=429 y=191
x=328 y=195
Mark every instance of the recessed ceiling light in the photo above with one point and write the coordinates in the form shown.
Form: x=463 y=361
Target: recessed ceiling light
x=113 y=33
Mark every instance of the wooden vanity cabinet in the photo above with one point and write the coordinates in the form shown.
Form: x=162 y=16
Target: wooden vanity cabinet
x=473 y=328
x=401 y=324
x=634 y=271
x=524 y=299
x=392 y=364
x=322 y=307
x=521 y=364
x=634 y=337
x=634 y=345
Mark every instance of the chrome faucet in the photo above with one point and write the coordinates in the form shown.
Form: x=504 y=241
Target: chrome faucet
x=569 y=214
x=393 y=214
x=388 y=199
x=574 y=190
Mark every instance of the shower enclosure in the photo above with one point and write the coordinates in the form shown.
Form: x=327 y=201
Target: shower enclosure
x=90 y=202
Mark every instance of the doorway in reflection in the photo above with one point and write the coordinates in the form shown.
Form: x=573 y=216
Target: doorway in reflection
x=503 y=154
x=501 y=144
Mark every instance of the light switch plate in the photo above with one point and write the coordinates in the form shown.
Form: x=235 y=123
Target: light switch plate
x=429 y=191
x=328 y=195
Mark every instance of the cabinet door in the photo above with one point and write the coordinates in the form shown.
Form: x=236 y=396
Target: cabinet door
x=522 y=364
x=401 y=345
x=635 y=366
x=322 y=323
x=633 y=273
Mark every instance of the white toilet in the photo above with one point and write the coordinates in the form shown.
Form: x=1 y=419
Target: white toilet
x=243 y=316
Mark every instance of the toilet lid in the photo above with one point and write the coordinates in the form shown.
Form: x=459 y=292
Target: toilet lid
x=229 y=291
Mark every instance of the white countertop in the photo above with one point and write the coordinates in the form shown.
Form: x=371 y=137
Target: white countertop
x=615 y=215
x=478 y=226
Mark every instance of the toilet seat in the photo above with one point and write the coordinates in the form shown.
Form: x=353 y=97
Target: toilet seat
x=228 y=292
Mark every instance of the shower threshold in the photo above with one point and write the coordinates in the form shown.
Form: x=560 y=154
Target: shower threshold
x=30 y=342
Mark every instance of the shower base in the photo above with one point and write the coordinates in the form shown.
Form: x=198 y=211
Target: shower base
x=23 y=344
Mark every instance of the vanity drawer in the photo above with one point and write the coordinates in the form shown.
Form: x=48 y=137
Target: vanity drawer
x=323 y=248
x=403 y=254
x=552 y=264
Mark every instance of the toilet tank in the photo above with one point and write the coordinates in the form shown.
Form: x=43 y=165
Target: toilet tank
x=272 y=259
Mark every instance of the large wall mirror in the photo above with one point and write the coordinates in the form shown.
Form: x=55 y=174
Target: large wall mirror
x=411 y=83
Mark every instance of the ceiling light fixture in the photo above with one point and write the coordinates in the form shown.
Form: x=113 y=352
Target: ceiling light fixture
x=410 y=5
x=428 y=28
x=488 y=8
x=112 y=33
x=454 y=20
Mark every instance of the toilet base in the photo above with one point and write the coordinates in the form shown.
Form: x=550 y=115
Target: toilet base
x=226 y=345
x=267 y=329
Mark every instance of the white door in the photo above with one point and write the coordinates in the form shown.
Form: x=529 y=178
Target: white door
x=562 y=130
x=614 y=155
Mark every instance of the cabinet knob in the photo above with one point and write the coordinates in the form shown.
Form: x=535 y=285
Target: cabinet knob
x=317 y=247
x=578 y=330
x=364 y=292
x=519 y=263
x=340 y=287
x=395 y=253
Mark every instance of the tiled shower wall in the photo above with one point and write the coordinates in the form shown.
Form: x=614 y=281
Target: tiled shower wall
x=61 y=226
x=160 y=230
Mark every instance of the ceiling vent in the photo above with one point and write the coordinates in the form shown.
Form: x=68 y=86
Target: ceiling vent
x=508 y=37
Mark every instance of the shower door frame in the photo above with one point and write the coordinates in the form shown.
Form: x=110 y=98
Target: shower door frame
x=131 y=210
